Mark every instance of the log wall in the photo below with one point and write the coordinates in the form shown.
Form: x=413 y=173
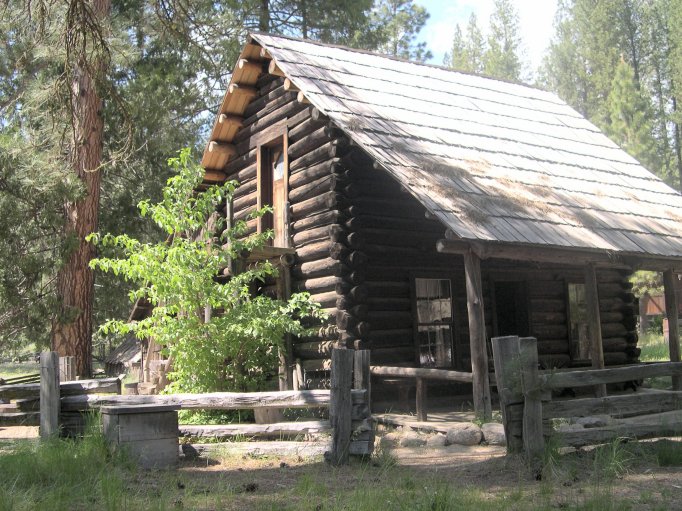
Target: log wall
x=360 y=238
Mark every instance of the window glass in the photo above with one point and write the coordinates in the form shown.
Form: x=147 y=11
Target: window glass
x=434 y=316
x=578 y=321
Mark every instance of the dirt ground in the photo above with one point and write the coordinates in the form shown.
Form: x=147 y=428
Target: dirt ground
x=237 y=481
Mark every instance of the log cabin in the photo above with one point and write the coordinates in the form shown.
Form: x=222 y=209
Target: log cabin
x=429 y=210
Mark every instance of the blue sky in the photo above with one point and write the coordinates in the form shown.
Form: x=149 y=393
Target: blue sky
x=536 y=18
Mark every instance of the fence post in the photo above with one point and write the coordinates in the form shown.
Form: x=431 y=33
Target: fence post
x=49 y=394
x=421 y=399
x=67 y=368
x=340 y=404
x=533 y=441
x=508 y=381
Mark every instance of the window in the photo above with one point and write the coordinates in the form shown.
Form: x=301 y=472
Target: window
x=433 y=302
x=577 y=313
x=272 y=190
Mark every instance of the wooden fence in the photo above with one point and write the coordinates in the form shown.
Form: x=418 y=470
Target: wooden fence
x=421 y=375
x=529 y=412
x=348 y=400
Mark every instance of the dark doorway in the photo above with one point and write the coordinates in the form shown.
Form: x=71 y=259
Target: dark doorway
x=511 y=309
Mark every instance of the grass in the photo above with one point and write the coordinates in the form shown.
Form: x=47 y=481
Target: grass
x=655 y=349
x=14 y=369
x=84 y=475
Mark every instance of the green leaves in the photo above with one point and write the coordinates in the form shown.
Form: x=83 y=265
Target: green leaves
x=238 y=348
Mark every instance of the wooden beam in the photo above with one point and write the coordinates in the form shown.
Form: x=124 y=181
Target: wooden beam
x=231 y=120
x=340 y=405
x=533 y=440
x=246 y=65
x=49 y=394
x=421 y=398
x=529 y=253
x=672 y=312
x=586 y=378
x=477 y=336
x=301 y=98
x=243 y=90
x=594 y=323
x=422 y=372
x=289 y=85
x=274 y=69
x=224 y=151
x=265 y=54
x=214 y=176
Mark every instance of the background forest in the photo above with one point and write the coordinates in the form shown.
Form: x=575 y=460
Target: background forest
x=155 y=71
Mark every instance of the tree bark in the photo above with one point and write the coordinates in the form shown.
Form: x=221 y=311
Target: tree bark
x=72 y=325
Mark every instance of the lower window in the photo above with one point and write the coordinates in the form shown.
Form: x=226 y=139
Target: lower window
x=433 y=299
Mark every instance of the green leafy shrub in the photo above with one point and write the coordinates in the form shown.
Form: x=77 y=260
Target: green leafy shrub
x=235 y=350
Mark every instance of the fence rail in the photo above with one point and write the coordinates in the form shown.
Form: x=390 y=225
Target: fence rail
x=421 y=375
x=528 y=409
x=64 y=404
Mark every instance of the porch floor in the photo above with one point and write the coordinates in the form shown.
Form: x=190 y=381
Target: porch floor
x=442 y=412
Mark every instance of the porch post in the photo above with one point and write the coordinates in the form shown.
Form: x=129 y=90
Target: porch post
x=671 y=312
x=479 y=354
x=594 y=323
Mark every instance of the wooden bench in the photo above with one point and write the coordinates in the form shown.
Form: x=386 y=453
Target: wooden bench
x=147 y=433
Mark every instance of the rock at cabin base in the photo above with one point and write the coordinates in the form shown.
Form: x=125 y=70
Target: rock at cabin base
x=390 y=440
x=466 y=433
x=493 y=433
x=435 y=441
x=412 y=440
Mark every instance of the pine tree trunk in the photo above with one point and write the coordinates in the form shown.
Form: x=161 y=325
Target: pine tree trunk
x=72 y=326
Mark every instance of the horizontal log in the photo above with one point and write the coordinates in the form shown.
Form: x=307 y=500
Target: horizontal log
x=389 y=304
x=421 y=372
x=610 y=375
x=384 y=320
x=319 y=204
x=313 y=140
x=553 y=347
x=555 y=360
x=388 y=289
x=641 y=427
x=548 y=318
x=315 y=350
x=332 y=149
x=311 y=174
x=305 y=128
x=69 y=388
x=270 y=448
x=324 y=218
x=214 y=400
x=289 y=109
x=328 y=299
x=548 y=305
x=320 y=284
x=241 y=162
x=256 y=430
x=642 y=402
x=392 y=223
x=245 y=201
x=247 y=187
x=244 y=174
x=20 y=419
x=326 y=183
x=259 y=104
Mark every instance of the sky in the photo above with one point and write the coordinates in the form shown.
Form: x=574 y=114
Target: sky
x=535 y=16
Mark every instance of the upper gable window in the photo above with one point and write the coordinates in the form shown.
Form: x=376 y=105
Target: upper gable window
x=273 y=176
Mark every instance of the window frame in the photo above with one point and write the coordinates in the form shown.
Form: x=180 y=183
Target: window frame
x=264 y=152
x=455 y=355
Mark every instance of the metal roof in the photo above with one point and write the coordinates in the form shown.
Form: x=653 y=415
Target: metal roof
x=494 y=161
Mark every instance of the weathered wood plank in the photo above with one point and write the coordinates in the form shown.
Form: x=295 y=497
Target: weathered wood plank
x=589 y=377
x=215 y=400
x=340 y=404
x=422 y=372
x=671 y=312
x=617 y=406
x=533 y=441
x=594 y=323
x=49 y=394
x=477 y=335
x=257 y=430
x=71 y=388
x=506 y=360
x=643 y=426
x=20 y=419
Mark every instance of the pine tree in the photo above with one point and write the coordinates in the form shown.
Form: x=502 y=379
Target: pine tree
x=629 y=119
x=501 y=59
x=467 y=51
